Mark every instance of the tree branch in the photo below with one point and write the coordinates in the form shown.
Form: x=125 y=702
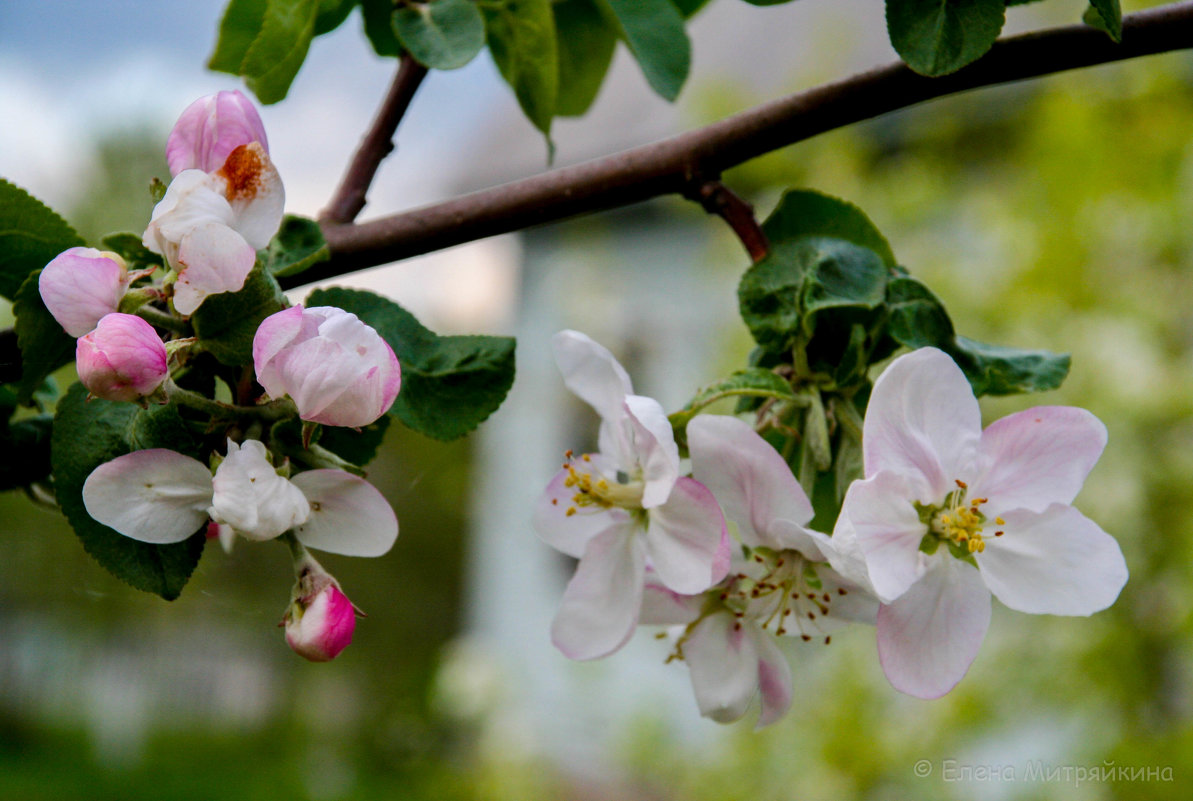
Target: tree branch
x=716 y=198
x=378 y=143
x=672 y=165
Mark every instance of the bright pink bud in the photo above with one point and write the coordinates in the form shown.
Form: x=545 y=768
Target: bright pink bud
x=320 y=625
x=211 y=128
x=338 y=371
x=81 y=285
x=122 y=359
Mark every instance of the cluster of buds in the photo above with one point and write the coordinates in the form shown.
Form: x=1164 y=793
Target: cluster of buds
x=321 y=365
x=932 y=477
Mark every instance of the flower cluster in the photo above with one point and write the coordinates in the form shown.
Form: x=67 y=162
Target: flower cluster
x=945 y=515
x=317 y=365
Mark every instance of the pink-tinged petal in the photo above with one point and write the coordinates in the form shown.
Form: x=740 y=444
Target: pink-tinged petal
x=349 y=515
x=1039 y=457
x=888 y=530
x=254 y=190
x=923 y=422
x=191 y=200
x=723 y=660
x=571 y=533
x=929 y=636
x=774 y=679
x=274 y=333
x=212 y=259
x=846 y=556
x=748 y=477
x=599 y=609
x=687 y=540
x=80 y=286
x=591 y=373
x=157 y=495
x=210 y=128
x=123 y=359
x=664 y=607
x=1057 y=562
x=654 y=448
x=855 y=605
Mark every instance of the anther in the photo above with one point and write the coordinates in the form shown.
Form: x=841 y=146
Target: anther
x=961 y=483
x=805 y=638
x=841 y=591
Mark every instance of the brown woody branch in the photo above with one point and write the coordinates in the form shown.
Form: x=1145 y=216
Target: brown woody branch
x=718 y=199
x=378 y=143
x=674 y=165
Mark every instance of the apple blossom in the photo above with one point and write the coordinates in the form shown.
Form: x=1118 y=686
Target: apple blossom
x=948 y=514
x=783 y=587
x=82 y=285
x=209 y=225
x=161 y=496
x=320 y=619
x=338 y=370
x=123 y=359
x=620 y=508
x=210 y=129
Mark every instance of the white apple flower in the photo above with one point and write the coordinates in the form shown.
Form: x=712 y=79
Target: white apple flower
x=620 y=508
x=160 y=496
x=785 y=586
x=948 y=514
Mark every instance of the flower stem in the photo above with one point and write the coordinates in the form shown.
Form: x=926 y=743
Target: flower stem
x=274 y=410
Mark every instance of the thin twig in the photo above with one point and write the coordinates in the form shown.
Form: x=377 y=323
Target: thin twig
x=378 y=143
x=716 y=198
x=669 y=166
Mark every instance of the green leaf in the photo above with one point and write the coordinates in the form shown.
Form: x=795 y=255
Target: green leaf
x=26 y=447
x=654 y=31
x=767 y=2
x=936 y=37
x=1106 y=16
x=690 y=7
x=752 y=382
x=586 y=44
x=379 y=29
x=450 y=384
x=522 y=39
x=332 y=14
x=803 y=212
x=44 y=345
x=88 y=433
x=130 y=248
x=226 y=323
x=917 y=320
x=297 y=246
x=781 y=295
x=266 y=42
x=441 y=34
x=358 y=446
x=31 y=234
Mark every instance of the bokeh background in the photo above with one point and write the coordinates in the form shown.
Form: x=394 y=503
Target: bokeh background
x=1054 y=214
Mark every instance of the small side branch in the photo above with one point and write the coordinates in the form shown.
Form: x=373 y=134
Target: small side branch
x=716 y=198
x=378 y=143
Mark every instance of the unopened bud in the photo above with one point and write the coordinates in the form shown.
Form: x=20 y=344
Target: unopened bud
x=82 y=285
x=123 y=359
x=320 y=623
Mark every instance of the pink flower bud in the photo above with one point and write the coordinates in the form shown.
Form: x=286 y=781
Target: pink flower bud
x=81 y=285
x=211 y=128
x=320 y=625
x=338 y=371
x=122 y=359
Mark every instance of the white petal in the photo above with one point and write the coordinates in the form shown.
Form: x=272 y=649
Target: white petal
x=1039 y=457
x=212 y=259
x=929 y=636
x=655 y=451
x=590 y=371
x=748 y=477
x=571 y=533
x=846 y=556
x=723 y=660
x=349 y=515
x=687 y=540
x=156 y=495
x=856 y=605
x=251 y=497
x=774 y=678
x=923 y=422
x=664 y=607
x=599 y=610
x=1058 y=562
x=888 y=531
